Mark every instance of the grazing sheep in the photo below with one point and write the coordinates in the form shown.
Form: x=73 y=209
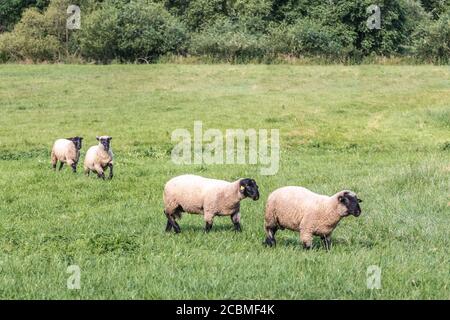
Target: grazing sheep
x=66 y=151
x=209 y=197
x=312 y=214
x=99 y=158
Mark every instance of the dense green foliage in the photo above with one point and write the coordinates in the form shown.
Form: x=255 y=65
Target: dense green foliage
x=230 y=30
x=382 y=131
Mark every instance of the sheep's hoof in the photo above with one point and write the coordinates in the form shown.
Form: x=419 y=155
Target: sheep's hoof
x=208 y=227
x=237 y=227
x=269 y=242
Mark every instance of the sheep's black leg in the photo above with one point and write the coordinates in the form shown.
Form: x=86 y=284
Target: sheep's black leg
x=176 y=227
x=111 y=174
x=61 y=166
x=235 y=218
x=208 y=226
x=327 y=242
x=74 y=167
x=270 y=236
x=171 y=223
x=168 y=226
x=101 y=175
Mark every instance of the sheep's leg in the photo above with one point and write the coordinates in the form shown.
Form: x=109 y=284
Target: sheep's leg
x=61 y=164
x=270 y=236
x=168 y=226
x=208 y=226
x=176 y=227
x=327 y=242
x=54 y=161
x=100 y=172
x=111 y=174
x=236 y=219
x=208 y=221
x=306 y=239
x=171 y=223
x=73 y=164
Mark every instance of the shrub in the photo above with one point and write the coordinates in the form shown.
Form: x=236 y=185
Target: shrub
x=98 y=35
x=227 y=40
x=131 y=32
x=31 y=39
x=307 y=37
x=202 y=13
x=11 y=11
x=432 y=40
x=37 y=36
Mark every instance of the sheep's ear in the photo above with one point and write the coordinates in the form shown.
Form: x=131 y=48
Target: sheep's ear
x=359 y=200
x=342 y=199
x=98 y=138
x=110 y=138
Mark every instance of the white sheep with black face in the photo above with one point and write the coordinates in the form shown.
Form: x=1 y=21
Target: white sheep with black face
x=209 y=197
x=66 y=151
x=311 y=214
x=99 y=158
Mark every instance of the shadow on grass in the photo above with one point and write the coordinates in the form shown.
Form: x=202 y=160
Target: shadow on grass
x=201 y=228
x=317 y=243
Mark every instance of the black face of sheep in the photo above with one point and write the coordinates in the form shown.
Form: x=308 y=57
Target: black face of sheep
x=105 y=141
x=351 y=201
x=249 y=189
x=77 y=141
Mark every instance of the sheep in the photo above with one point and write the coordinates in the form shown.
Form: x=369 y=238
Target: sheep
x=99 y=158
x=209 y=197
x=299 y=209
x=66 y=151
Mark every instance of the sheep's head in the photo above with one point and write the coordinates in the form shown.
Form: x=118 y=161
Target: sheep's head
x=105 y=141
x=77 y=141
x=350 y=201
x=249 y=188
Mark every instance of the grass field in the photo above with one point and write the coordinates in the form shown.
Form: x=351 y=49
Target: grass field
x=381 y=131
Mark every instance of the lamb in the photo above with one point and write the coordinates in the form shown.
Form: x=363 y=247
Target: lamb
x=299 y=209
x=209 y=197
x=99 y=158
x=66 y=151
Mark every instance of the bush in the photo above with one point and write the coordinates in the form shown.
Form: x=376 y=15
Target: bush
x=98 y=35
x=227 y=40
x=307 y=37
x=202 y=13
x=37 y=36
x=131 y=32
x=432 y=40
x=11 y=11
x=31 y=39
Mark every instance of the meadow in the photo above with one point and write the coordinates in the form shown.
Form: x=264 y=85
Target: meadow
x=381 y=131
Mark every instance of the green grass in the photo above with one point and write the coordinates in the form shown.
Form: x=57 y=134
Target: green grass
x=382 y=131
